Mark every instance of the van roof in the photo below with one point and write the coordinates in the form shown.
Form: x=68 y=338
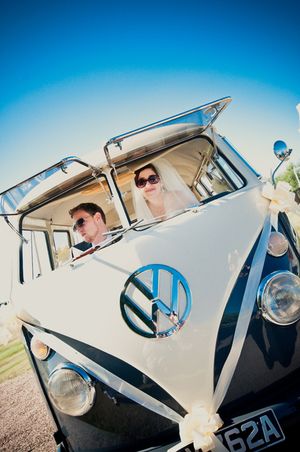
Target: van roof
x=119 y=150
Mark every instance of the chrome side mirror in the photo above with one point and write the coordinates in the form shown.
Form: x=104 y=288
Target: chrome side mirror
x=281 y=150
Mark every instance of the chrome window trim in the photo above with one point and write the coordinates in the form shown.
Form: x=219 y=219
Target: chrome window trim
x=258 y=175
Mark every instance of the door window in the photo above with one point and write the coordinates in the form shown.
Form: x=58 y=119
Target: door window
x=62 y=245
x=36 y=256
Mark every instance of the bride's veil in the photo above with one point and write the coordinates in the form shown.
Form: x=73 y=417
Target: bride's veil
x=172 y=182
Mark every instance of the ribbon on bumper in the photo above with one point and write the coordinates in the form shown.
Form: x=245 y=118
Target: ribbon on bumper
x=200 y=429
x=200 y=425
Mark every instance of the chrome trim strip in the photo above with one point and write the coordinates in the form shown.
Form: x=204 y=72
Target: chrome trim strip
x=153 y=125
x=241 y=157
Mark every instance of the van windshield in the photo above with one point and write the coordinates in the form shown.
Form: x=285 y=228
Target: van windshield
x=41 y=187
x=173 y=181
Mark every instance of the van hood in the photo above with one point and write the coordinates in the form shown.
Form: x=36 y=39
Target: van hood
x=203 y=249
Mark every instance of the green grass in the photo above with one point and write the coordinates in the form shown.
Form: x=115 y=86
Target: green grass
x=13 y=360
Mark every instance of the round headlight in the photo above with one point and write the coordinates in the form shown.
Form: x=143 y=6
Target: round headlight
x=71 y=389
x=39 y=349
x=278 y=244
x=279 y=297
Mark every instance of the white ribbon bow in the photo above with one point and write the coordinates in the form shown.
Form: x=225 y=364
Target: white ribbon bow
x=281 y=197
x=198 y=427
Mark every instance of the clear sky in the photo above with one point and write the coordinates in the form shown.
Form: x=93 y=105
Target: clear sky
x=75 y=73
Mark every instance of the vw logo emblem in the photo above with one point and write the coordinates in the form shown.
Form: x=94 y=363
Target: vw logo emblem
x=156 y=301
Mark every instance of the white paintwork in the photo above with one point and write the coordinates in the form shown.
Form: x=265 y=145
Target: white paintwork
x=208 y=247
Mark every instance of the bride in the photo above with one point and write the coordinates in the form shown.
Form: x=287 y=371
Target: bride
x=158 y=190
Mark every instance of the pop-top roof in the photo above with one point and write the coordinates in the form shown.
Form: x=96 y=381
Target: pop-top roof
x=121 y=149
x=158 y=135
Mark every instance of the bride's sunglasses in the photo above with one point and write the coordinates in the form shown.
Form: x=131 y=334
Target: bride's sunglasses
x=153 y=179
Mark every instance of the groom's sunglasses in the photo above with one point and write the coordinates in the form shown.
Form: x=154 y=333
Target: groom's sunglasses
x=79 y=223
x=153 y=179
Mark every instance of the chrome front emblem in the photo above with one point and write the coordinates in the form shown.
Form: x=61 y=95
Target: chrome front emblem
x=156 y=301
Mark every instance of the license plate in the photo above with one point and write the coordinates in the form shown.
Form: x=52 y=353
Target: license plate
x=253 y=434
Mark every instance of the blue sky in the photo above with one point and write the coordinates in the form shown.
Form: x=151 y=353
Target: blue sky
x=73 y=74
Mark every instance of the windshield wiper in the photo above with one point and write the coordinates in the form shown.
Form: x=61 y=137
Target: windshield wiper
x=142 y=223
x=115 y=236
x=161 y=218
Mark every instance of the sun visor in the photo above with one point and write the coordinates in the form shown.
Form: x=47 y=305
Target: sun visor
x=141 y=142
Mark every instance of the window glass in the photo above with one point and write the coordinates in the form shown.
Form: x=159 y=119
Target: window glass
x=234 y=177
x=36 y=258
x=54 y=217
x=188 y=174
x=214 y=181
x=62 y=247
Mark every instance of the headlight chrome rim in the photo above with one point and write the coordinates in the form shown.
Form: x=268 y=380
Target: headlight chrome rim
x=86 y=379
x=261 y=293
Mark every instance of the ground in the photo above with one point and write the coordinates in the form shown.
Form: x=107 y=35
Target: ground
x=25 y=423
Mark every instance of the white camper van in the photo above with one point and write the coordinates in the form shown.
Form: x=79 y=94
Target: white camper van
x=179 y=329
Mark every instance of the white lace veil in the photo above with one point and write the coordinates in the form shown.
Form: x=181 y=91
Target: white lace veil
x=177 y=194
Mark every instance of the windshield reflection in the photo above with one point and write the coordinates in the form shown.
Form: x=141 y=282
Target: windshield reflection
x=20 y=197
x=12 y=198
